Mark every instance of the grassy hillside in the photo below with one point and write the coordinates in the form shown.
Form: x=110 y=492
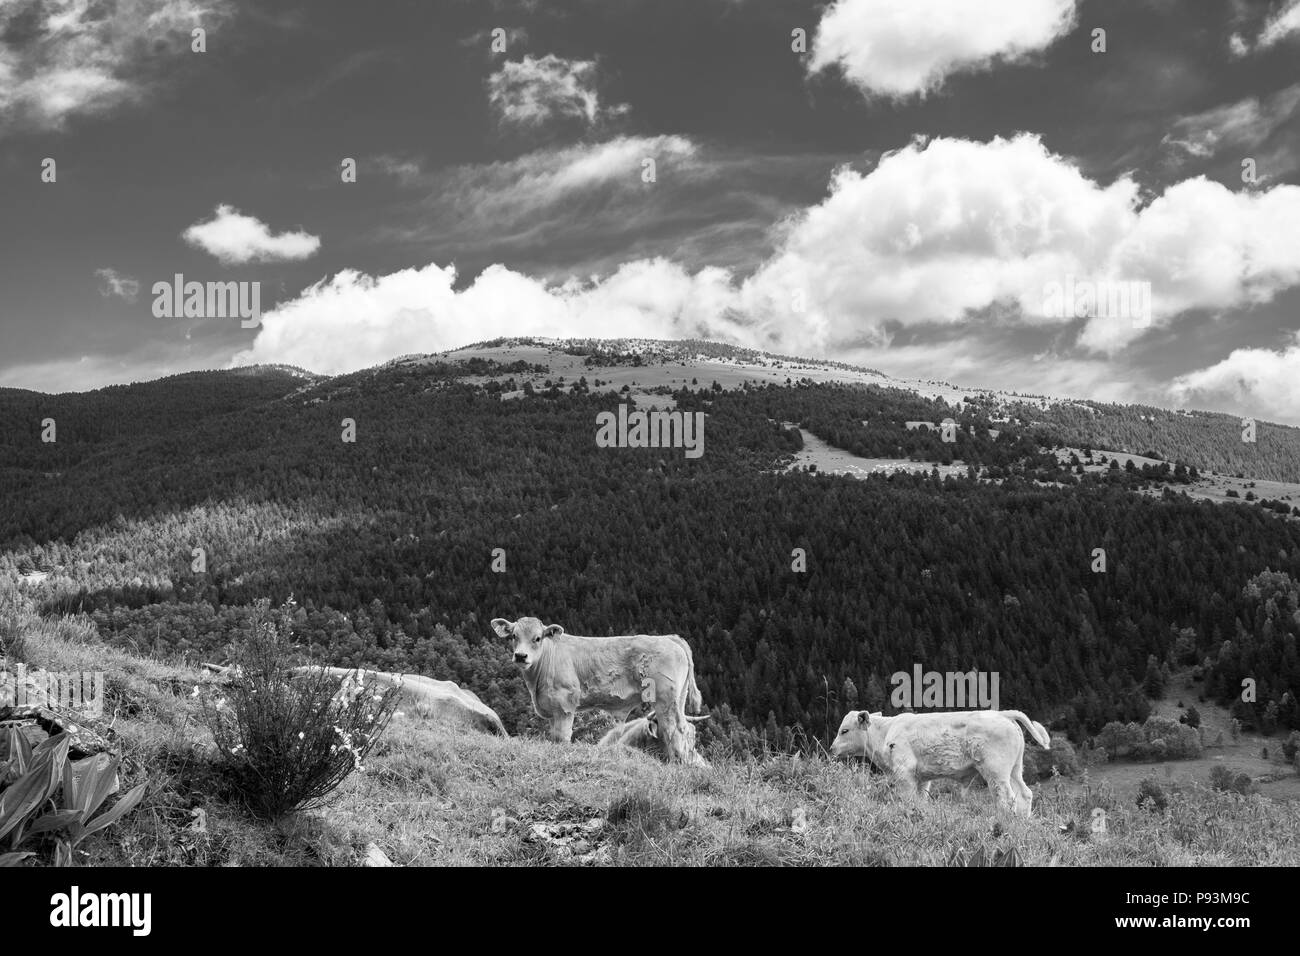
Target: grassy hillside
x=388 y=542
x=430 y=796
x=1211 y=441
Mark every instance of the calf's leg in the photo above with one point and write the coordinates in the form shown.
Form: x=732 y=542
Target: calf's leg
x=1000 y=786
x=903 y=768
x=1021 y=788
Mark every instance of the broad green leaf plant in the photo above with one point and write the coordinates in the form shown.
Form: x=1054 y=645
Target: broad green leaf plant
x=42 y=791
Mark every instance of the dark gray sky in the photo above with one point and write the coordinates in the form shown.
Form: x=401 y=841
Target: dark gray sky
x=905 y=193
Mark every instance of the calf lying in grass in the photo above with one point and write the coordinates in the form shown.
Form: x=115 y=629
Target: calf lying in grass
x=642 y=733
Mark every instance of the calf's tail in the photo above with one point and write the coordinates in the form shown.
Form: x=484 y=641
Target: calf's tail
x=1033 y=727
x=694 y=702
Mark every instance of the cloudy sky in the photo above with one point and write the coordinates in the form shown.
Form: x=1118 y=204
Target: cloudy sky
x=902 y=183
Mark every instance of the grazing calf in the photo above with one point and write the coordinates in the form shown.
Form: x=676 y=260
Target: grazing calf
x=918 y=748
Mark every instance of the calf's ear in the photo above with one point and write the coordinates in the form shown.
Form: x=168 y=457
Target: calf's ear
x=863 y=718
x=552 y=630
x=502 y=626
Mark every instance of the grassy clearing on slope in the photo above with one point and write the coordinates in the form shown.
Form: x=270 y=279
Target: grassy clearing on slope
x=836 y=461
x=1275 y=777
x=431 y=796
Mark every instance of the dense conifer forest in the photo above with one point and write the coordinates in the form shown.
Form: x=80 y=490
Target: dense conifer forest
x=387 y=543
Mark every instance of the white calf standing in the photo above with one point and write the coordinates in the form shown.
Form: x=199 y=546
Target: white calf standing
x=918 y=748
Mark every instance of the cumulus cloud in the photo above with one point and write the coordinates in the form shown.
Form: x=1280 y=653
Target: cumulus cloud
x=114 y=284
x=235 y=239
x=941 y=228
x=66 y=58
x=940 y=231
x=1206 y=247
x=1248 y=380
x=899 y=50
x=532 y=91
x=353 y=320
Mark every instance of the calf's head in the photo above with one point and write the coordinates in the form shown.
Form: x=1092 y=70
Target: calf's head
x=528 y=634
x=688 y=728
x=851 y=740
x=643 y=733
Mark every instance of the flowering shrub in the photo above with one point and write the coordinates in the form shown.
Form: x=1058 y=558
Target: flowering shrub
x=287 y=737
